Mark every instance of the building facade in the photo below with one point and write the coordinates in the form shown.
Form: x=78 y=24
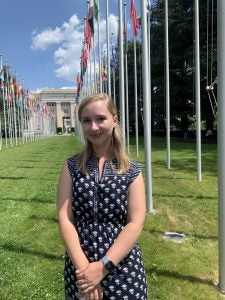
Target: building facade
x=61 y=102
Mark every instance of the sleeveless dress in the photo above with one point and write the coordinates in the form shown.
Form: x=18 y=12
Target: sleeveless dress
x=100 y=211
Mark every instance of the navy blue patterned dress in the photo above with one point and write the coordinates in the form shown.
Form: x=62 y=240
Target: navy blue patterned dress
x=100 y=212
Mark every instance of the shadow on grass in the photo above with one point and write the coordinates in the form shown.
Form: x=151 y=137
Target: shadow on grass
x=171 y=177
x=40 y=218
x=196 y=236
x=12 y=178
x=23 y=250
x=30 y=200
x=179 y=276
x=192 y=196
x=25 y=167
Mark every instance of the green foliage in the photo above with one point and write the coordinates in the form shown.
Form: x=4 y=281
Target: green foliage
x=181 y=63
x=31 y=252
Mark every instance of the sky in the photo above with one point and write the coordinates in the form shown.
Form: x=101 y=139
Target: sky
x=41 y=40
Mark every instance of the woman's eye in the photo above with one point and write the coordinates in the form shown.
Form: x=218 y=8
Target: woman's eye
x=86 y=121
x=101 y=119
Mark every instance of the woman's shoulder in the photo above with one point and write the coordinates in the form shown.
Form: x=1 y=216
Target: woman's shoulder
x=134 y=165
x=72 y=162
x=134 y=170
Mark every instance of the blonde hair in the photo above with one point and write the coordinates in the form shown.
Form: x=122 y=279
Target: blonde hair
x=118 y=148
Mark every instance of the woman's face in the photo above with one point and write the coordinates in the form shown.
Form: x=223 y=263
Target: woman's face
x=98 y=123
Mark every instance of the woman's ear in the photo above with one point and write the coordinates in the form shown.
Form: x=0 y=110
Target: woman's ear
x=115 y=119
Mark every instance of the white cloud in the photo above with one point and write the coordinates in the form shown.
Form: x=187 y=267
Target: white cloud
x=67 y=40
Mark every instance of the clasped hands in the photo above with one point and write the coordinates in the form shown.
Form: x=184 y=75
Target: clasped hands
x=88 y=280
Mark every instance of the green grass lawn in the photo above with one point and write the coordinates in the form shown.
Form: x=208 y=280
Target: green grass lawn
x=31 y=252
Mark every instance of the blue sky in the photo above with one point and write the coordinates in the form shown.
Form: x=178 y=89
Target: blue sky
x=42 y=40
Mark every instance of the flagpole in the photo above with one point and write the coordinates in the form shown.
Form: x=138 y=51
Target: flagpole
x=8 y=104
x=113 y=70
x=14 y=112
x=3 y=99
x=134 y=18
x=167 y=85
x=221 y=143
x=99 y=54
x=197 y=91
x=21 y=110
x=94 y=64
x=108 y=51
x=121 y=71
x=126 y=77
x=147 y=106
x=135 y=98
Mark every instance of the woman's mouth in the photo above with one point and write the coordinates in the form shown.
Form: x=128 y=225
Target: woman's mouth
x=96 y=135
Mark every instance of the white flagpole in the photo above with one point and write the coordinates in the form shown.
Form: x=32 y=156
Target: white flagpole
x=113 y=70
x=197 y=92
x=14 y=114
x=108 y=51
x=167 y=85
x=221 y=142
x=4 y=105
x=121 y=71
x=126 y=79
x=147 y=105
x=99 y=55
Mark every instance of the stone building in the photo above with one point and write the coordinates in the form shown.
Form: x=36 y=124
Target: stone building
x=61 y=102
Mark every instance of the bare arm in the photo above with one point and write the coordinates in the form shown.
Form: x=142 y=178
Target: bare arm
x=65 y=219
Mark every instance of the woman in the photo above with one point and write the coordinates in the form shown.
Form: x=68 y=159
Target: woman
x=101 y=211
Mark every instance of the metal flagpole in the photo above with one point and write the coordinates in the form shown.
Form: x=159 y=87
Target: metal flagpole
x=90 y=73
x=113 y=71
x=221 y=141
x=108 y=51
x=135 y=97
x=147 y=105
x=167 y=85
x=4 y=104
x=126 y=79
x=14 y=113
x=121 y=71
x=197 y=91
x=99 y=56
x=95 y=85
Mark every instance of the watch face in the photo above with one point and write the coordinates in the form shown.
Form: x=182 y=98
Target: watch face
x=109 y=266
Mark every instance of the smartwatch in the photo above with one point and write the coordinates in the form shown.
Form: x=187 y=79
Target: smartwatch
x=108 y=264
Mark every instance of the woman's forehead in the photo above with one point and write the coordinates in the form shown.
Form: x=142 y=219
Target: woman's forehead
x=96 y=107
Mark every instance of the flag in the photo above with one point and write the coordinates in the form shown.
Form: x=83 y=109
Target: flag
x=78 y=78
x=1 y=78
x=85 y=58
x=113 y=60
x=83 y=63
x=96 y=8
x=88 y=34
x=133 y=16
x=91 y=16
x=104 y=69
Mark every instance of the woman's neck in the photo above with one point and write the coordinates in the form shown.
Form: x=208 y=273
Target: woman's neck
x=103 y=154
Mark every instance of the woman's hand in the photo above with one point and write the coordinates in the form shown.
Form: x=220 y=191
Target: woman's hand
x=88 y=278
x=96 y=293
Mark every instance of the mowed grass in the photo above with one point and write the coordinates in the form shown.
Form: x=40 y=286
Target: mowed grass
x=31 y=252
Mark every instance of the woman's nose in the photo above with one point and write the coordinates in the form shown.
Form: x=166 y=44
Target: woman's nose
x=94 y=125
